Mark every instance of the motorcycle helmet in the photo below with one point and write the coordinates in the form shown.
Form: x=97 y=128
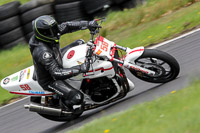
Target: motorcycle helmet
x=46 y=29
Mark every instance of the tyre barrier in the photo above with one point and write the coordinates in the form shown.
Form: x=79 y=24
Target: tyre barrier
x=11 y=38
x=56 y=2
x=104 y=12
x=11 y=31
x=118 y=1
x=30 y=11
x=13 y=22
x=92 y=6
x=9 y=10
x=33 y=4
x=129 y=4
x=32 y=14
x=70 y=11
x=16 y=20
x=21 y=40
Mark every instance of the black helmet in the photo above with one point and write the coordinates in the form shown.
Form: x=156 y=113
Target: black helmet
x=46 y=29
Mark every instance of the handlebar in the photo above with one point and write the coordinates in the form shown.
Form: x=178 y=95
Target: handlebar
x=90 y=43
x=96 y=31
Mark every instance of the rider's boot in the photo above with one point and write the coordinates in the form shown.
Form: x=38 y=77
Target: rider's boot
x=75 y=104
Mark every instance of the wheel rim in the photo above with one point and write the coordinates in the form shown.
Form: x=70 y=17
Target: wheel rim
x=161 y=68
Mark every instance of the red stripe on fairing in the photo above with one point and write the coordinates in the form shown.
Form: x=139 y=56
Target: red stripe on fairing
x=100 y=38
x=31 y=94
x=102 y=69
x=96 y=40
x=136 y=50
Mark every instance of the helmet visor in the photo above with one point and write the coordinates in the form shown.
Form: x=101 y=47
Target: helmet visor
x=55 y=30
x=51 y=32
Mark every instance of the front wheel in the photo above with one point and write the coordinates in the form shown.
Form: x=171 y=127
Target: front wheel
x=165 y=66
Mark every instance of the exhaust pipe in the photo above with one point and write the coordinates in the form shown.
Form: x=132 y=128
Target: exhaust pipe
x=45 y=110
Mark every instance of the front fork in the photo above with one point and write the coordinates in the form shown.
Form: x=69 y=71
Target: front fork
x=129 y=60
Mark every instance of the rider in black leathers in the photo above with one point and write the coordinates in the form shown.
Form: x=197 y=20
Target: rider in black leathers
x=47 y=60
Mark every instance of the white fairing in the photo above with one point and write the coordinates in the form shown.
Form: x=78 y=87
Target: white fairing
x=22 y=83
x=76 y=56
x=133 y=54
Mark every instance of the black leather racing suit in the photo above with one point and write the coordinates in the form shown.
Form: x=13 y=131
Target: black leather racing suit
x=47 y=61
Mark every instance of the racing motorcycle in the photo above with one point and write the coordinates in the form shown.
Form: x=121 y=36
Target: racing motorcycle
x=104 y=83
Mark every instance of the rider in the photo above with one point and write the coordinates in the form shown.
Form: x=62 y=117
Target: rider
x=47 y=60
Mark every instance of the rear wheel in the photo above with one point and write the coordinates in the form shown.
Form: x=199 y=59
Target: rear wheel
x=165 y=66
x=60 y=118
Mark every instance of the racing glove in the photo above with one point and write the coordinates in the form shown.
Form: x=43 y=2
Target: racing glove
x=84 y=67
x=92 y=25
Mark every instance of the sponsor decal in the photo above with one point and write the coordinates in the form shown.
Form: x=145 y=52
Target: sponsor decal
x=25 y=87
x=28 y=74
x=79 y=62
x=6 y=81
x=104 y=46
x=98 y=52
x=21 y=75
x=47 y=55
x=36 y=92
x=70 y=54
x=138 y=69
x=14 y=78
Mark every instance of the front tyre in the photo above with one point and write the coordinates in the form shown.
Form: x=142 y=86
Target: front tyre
x=165 y=66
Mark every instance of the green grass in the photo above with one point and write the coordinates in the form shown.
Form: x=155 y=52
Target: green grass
x=132 y=28
x=2 y=2
x=178 y=112
x=12 y=61
x=141 y=26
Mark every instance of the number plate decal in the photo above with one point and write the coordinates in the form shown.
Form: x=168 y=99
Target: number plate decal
x=25 y=87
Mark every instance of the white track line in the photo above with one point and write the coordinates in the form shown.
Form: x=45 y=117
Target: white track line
x=169 y=41
x=152 y=47
x=14 y=102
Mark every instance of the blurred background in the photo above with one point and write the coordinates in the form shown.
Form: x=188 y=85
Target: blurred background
x=16 y=16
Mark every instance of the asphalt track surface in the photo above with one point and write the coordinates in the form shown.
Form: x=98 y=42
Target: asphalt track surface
x=15 y=119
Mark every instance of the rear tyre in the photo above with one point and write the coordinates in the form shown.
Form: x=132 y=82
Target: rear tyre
x=165 y=66
x=60 y=118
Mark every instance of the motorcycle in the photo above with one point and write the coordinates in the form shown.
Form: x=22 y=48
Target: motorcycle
x=104 y=83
